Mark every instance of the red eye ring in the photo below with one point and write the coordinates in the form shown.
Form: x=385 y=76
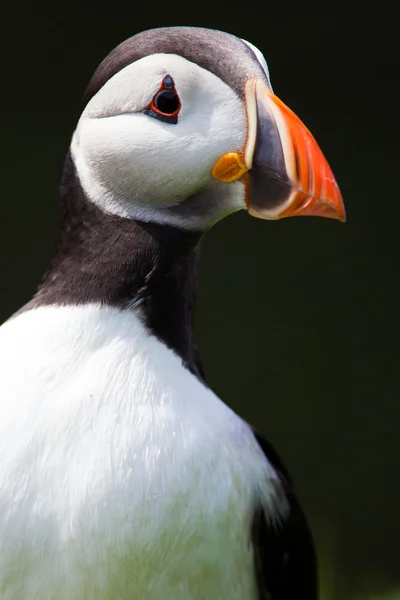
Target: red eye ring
x=165 y=104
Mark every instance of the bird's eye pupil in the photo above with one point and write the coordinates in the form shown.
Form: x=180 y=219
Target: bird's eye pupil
x=166 y=101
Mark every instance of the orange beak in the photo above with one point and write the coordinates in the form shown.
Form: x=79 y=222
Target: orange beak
x=287 y=173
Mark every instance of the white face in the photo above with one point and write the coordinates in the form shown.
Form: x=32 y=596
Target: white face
x=137 y=166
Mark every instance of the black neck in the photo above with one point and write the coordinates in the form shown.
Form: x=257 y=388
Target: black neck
x=124 y=263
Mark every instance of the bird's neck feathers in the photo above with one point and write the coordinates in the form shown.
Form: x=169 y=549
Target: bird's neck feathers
x=113 y=261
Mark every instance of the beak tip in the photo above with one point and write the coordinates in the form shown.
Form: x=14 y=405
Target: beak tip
x=339 y=217
x=337 y=212
x=339 y=208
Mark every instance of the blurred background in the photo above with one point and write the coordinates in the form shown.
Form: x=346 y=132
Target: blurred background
x=298 y=320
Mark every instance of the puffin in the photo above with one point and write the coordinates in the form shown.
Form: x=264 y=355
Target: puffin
x=122 y=475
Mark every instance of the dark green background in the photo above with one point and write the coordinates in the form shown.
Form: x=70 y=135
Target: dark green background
x=298 y=320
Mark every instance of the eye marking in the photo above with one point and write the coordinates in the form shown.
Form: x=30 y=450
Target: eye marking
x=165 y=105
x=168 y=82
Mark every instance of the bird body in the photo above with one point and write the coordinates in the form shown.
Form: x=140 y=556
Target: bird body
x=122 y=475
x=147 y=466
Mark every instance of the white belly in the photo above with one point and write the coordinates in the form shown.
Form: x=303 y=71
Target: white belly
x=121 y=475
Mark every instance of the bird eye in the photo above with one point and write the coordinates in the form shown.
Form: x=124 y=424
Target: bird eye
x=165 y=105
x=166 y=102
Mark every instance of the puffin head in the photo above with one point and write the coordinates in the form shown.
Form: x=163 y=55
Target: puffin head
x=180 y=126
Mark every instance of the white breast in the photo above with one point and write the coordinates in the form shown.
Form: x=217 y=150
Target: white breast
x=121 y=475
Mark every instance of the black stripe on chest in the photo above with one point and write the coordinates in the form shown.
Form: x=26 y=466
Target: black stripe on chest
x=110 y=260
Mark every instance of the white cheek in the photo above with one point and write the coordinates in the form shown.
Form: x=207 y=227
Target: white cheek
x=135 y=165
